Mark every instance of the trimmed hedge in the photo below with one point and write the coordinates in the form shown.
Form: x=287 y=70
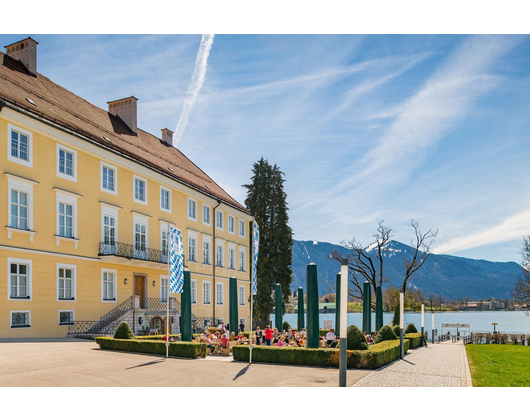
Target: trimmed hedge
x=356 y=339
x=176 y=337
x=179 y=348
x=385 y=334
x=410 y=328
x=414 y=340
x=376 y=356
x=124 y=332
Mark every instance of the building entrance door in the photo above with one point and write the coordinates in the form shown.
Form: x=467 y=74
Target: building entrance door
x=139 y=289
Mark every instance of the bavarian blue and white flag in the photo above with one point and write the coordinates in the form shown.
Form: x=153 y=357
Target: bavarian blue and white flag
x=176 y=261
x=255 y=249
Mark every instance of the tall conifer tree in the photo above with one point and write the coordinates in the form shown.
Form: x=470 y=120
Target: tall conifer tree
x=266 y=200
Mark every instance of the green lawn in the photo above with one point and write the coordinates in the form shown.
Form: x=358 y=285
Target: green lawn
x=495 y=365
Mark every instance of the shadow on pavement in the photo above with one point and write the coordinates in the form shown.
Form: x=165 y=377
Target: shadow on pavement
x=146 y=364
x=241 y=372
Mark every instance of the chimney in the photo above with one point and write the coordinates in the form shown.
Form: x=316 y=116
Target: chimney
x=167 y=136
x=26 y=52
x=125 y=109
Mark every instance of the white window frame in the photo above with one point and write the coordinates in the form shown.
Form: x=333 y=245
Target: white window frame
x=209 y=284
x=164 y=285
x=115 y=170
x=192 y=236
x=140 y=179
x=65 y=323
x=115 y=288
x=193 y=289
x=208 y=241
x=219 y=294
x=63 y=175
x=242 y=224
x=164 y=189
x=29 y=281
x=65 y=197
x=231 y=263
x=219 y=245
x=74 y=281
x=233 y=220
x=164 y=250
x=221 y=214
x=26 y=186
x=112 y=212
x=243 y=260
x=204 y=221
x=190 y=216
x=140 y=220
x=22 y=326
x=241 y=297
x=29 y=135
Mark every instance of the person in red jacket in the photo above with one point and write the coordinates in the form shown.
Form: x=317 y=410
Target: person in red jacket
x=224 y=341
x=268 y=335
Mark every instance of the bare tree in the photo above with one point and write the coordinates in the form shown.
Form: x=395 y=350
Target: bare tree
x=361 y=267
x=421 y=245
x=522 y=288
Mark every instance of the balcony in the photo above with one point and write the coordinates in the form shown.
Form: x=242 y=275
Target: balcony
x=121 y=253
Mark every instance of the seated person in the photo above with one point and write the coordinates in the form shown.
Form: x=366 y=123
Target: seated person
x=335 y=343
x=280 y=342
x=224 y=341
x=233 y=336
x=330 y=337
x=209 y=344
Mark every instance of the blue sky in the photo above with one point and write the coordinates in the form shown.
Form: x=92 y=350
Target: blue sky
x=396 y=127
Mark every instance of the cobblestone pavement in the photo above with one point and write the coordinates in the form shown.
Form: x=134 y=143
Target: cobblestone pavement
x=438 y=365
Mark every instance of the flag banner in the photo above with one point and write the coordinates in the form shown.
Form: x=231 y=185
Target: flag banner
x=176 y=260
x=255 y=249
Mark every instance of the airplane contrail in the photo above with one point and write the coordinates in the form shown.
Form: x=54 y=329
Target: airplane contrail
x=197 y=80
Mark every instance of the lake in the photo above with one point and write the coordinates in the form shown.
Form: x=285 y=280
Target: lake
x=480 y=321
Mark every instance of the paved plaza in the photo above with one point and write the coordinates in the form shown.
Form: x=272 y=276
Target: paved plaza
x=80 y=363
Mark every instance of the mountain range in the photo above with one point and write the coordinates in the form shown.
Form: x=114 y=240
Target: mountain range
x=453 y=277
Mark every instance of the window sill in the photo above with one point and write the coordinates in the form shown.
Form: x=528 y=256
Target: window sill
x=29 y=232
x=67 y=299
x=65 y=323
x=109 y=300
x=20 y=326
x=19 y=297
x=58 y=239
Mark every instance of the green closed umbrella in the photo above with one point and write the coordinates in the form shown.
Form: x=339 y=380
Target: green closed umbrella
x=278 y=312
x=378 y=308
x=185 y=305
x=367 y=308
x=313 y=333
x=301 y=309
x=233 y=306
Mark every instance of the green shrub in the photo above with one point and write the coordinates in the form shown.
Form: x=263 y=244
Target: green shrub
x=356 y=339
x=385 y=333
x=414 y=340
x=124 y=332
x=410 y=328
x=396 y=329
x=286 y=326
x=179 y=349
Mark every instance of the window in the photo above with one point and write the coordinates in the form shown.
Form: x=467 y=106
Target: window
x=165 y=199
x=219 y=298
x=140 y=190
x=66 y=163
x=66 y=317
x=108 y=178
x=194 y=291
x=140 y=240
x=192 y=209
x=219 y=220
x=206 y=214
x=242 y=228
x=66 y=220
x=19 y=210
x=192 y=256
x=66 y=282
x=19 y=148
x=20 y=319
x=241 y=295
x=164 y=242
x=206 y=293
x=206 y=252
x=20 y=204
x=66 y=215
x=108 y=285
x=231 y=258
x=164 y=289
x=220 y=256
x=109 y=230
x=242 y=259
x=231 y=224
x=19 y=278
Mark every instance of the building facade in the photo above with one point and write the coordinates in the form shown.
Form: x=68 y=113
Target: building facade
x=87 y=199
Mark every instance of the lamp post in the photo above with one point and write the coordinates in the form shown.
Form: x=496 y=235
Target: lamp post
x=343 y=321
x=401 y=316
x=422 y=323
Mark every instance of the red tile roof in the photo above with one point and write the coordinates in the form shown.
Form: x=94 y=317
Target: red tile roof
x=60 y=107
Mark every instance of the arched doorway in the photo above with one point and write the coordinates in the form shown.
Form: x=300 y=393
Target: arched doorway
x=165 y=325
x=157 y=322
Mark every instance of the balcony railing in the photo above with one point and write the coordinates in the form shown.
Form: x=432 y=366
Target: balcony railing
x=120 y=249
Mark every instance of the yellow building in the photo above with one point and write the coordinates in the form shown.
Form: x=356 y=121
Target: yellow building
x=87 y=198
